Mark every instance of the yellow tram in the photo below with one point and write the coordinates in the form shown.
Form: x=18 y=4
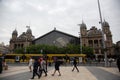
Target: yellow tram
x=19 y=57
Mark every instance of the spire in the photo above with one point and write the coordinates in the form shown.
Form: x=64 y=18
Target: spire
x=15 y=32
x=54 y=28
x=83 y=25
x=29 y=31
x=82 y=21
x=105 y=23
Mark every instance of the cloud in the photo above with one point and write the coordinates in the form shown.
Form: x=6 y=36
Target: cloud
x=44 y=15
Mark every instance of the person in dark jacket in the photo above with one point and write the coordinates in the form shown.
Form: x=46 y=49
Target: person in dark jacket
x=35 y=68
x=57 y=65
x=1 y=66
x=118 y=63
x=75 y=65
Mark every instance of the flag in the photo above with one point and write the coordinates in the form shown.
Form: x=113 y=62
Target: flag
x=27 y=26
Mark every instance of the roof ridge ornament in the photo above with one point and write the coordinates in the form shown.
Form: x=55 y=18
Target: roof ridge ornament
x=54 y=28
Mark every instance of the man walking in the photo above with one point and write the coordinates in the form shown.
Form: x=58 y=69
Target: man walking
x=1 y=66
x=35 y=68
x=75 y=65
x=57 y=65
x=118 y=63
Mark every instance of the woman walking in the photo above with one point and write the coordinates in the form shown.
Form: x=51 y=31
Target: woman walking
x=43 y=67
x=30 y=64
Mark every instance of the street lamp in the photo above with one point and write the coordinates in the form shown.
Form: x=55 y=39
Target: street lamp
x=80 y=58
x=23 y=57
x=80 y=41
x=103 y=35
x=26 y=44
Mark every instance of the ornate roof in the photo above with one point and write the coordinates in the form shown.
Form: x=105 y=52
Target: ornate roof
x=94 y=31
x=22 y=36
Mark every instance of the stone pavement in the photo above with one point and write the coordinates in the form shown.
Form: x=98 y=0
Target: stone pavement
x=86 y=73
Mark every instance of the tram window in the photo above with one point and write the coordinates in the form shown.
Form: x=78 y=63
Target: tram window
x=17 y=58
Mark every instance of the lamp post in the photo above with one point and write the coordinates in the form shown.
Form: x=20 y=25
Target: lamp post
x=80 y=58
x=26 y=44
x=80 y=43
x=103 y=35
x=23 y=57
x=26 y=40
x=80 y=40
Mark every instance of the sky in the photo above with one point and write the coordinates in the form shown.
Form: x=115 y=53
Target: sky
x=44 y=15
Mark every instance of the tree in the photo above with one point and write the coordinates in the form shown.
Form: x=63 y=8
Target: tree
x=88 y=51
x=49 y=49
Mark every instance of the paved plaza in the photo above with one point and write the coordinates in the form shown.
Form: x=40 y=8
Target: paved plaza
x=86 y=73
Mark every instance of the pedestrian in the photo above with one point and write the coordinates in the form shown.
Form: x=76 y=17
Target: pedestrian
x=30 y=64
x=75 y=65
x=35 y=69
x=40 y=69
x=43 y=67
x=118 y=63
x=57 y=65
x=1 y=65
x=5 y=65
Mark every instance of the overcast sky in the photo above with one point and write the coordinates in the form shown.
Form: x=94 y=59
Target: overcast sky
x=44 y=15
